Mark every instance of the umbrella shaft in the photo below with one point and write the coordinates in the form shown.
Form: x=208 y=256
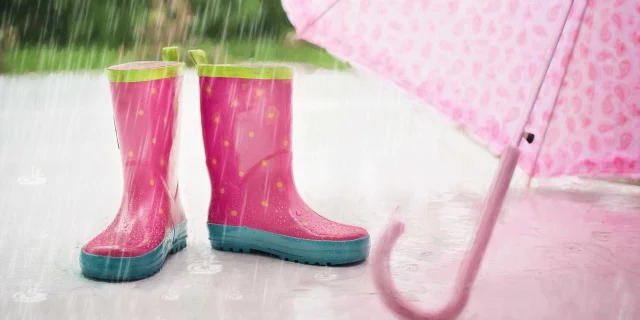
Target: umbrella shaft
x=490 y=212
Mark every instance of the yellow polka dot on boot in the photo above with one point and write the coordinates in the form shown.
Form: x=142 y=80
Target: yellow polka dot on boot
x=153 y=90
x=161 y=211
x=214 y=162
x=264 y=203
x=263 y=163
x=151 y=182
x=130 y=153
x=251 y=134
x=234 y=213
x=153 y=140
x=285 y=143
x=162 y=162
x=259 y=92
x=140 y=112
x=234 y=103
x=270 y=115
x=164 y=120
x=226 y=143
x=241 y=173
x=208 y=90
x=279 y=184
x=222 y=190
x=216 y=119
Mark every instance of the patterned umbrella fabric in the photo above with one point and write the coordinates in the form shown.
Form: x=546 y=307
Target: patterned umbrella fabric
x=567 y=71
x=479 y=62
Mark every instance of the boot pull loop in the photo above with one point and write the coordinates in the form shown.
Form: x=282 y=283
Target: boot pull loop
x=170 y=54
x=198 y=57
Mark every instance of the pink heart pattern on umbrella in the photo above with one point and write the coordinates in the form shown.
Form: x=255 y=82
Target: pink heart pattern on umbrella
x=479 y=62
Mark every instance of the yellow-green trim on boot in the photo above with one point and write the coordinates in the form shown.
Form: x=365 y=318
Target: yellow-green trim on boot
x=243 y=71
x=148 y=70
x=261 y=72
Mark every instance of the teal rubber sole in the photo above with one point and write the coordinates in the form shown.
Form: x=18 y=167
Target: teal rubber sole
x=134 y=268
x=316 y=252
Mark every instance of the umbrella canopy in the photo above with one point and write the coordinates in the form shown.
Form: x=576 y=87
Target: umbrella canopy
x=480 y=61
x=566 y=71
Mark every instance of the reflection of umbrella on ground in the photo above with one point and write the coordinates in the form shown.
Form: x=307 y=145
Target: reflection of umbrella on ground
x=566 y=71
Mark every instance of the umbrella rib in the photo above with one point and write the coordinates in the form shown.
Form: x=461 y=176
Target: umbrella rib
x=525 y=119
x=555 y=100
x=309 y=25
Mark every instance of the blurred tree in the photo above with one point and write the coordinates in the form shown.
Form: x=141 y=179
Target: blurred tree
x=105 y=22
x=116 y=23
x=278 y=21
x=75 y=22
x=8 y=38
x=167 y=23
x=39 y=17
x=238 y=19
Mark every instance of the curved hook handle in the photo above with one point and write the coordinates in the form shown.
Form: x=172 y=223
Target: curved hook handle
x=470 y=264
x=390 y=294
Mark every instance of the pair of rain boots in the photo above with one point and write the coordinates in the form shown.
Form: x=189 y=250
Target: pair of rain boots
x=246 y=125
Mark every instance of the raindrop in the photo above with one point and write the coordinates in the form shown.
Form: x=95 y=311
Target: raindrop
x=31 y=295
x=326 y=276
x=204 y=267
x=234 y=295
x=170 y=295
x=34 y=179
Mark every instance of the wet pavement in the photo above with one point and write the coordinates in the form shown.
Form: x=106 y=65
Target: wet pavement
x=564 y=249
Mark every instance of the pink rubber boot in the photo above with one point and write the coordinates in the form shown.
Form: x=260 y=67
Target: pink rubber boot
x=150 y=223
x=246 y=126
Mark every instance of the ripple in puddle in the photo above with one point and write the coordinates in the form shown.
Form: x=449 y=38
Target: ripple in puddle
x=234 y=295
x=204 y=267
x=326 y=276
x=31 y=295
x=170 y=295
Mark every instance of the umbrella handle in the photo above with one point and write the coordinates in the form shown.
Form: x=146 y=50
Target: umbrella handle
x=470 y=264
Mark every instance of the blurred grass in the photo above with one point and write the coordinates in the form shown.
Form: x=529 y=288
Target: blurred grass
x=51 y=59
x=265 y=51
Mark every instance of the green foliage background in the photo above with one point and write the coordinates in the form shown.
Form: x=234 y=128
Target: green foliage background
x=57 y=35
x=120 y=22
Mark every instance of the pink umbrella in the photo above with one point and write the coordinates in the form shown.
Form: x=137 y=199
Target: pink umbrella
x=566 y=71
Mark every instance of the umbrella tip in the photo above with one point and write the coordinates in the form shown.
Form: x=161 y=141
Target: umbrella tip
x=529 y=137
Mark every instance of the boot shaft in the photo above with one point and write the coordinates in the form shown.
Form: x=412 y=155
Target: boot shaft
x=145 y=98
x=246 y=119
x=246 y=116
